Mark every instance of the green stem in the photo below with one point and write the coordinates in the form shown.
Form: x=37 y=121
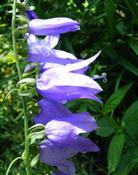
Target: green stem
x=11 y=164
x=26 y=156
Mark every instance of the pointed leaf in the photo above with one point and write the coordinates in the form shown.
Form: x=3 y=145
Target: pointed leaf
x=114 y=151
x=115 y=99
x=106 y=126
x=130 y=120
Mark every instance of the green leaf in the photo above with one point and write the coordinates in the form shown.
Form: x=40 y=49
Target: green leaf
x=27 y=93
x=115 y=99
x=110 y=8
x=27 y=81
x=106 y=126
x=127 y=163
x=134 y=45
x=132 y=6
x=123 y=62
x=130 y=120
x=34 y=160
x=34 y=136
x=114 y=151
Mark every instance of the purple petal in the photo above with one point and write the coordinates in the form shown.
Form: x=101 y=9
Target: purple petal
x=81 y=64
x=31 y=14
x=52 y=41
x=76 y=123
x=29 y=67
x=57 y=84
x=58 y=130
x=60 y=173
x=49 y=110
x=52 y=26
x=41 y=51
x=56 y=156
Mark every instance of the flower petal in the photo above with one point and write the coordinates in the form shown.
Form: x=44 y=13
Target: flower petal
x=50 y=110
x=52 y=40
x=62 y=85
x=56 y=156
x=52 y=26
x=58 y=130
x=31 y=14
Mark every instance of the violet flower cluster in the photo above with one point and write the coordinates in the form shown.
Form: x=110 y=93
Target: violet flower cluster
x=62 y=79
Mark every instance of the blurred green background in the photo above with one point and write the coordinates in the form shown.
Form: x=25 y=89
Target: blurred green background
x=107 y=25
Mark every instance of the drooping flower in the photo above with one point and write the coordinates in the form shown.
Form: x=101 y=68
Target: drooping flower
x=43 y=27
x=62 y=83
x=48 y=111
x=63 y=139
x=63 y=142
x=42 y=51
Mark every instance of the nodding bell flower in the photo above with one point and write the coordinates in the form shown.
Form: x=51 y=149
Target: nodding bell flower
x=42 y=51
x=62 y=83
x=63 y=140
x=52 y=26
x=61 y=79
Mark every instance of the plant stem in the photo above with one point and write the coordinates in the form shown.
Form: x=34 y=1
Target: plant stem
x=11 y=164
x=26 y=156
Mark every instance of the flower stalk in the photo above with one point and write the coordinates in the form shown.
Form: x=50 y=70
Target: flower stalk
x=26 y=156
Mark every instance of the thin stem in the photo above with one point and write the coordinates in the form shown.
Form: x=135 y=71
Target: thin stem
x=26 y=156
x=11 y=164
x=14 y=39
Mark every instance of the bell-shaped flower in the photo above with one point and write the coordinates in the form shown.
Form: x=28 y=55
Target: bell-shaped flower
x=43 y=27
x=61 y=83
x=42 y=51
x=49 y=110
x=59 y=112
x=63 y=139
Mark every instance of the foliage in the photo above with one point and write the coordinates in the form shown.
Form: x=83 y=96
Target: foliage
x=109 y=25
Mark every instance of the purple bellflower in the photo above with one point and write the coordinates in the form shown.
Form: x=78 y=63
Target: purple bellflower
x=63 y=139
x=46 y=115
x=43 y=27
x=42 y=51
x=62 y=83
x=62 y=79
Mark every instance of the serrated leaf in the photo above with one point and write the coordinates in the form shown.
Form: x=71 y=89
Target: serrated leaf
x=130 y=120
x=115 y=99
x=114 y=151
x=106 y=126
